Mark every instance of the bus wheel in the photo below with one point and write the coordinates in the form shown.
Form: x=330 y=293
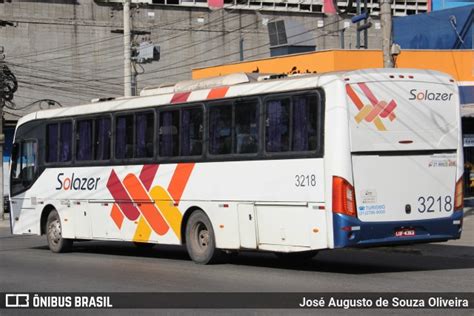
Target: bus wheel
x=200 y=240
x=56 y=242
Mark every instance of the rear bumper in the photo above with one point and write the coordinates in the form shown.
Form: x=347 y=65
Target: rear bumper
x=351 y=232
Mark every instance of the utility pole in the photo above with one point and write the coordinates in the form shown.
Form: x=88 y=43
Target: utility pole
x=127 y=66
x=2 y=138
x=386 y=19
x=358 y=12
x=3 y=98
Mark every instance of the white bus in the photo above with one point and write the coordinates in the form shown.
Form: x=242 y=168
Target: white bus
x=288 y=165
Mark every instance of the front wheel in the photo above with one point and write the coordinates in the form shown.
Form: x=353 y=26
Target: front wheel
x=56 y=242
x=200 y=240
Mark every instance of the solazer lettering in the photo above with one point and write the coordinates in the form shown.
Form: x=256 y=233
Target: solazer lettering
x=76 y=183
x=428 y=95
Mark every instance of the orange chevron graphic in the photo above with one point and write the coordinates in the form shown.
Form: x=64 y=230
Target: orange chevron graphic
x=157 y=207
x=373 y=112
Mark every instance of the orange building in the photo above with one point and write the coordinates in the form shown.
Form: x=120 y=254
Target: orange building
x=457 y=63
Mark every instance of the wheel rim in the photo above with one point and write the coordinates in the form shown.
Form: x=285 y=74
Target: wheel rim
x=54 y=232
x=202 y=237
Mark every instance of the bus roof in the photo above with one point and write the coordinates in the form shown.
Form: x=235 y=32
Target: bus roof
x=233 y=88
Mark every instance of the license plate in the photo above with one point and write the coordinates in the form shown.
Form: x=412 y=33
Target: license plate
x=405 y=233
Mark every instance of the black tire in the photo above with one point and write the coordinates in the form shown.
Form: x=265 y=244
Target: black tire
x=296 y=257
x=56 y=242
x=200 y=239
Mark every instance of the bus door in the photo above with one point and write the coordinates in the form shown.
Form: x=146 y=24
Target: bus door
x=404 y=143
x=24 y=171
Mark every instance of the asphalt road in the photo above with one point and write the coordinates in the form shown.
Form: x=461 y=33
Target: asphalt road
x=26 y=264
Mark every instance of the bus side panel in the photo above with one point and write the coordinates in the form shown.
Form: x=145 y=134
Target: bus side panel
x=93 y=201
x=24 y=215
x=224 y=219
x=337 y=156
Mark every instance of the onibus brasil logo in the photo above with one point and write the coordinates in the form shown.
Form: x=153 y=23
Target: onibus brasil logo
x=373 y=112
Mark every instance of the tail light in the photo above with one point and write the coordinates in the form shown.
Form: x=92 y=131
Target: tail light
x=343 y=197
x=459 y=195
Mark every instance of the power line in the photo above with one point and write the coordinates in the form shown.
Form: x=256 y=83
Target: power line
x=247 y=49
x=88 y=89
x=115 y=46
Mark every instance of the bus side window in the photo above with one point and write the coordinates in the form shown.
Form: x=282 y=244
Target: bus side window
x=277 y=125
x=52 y=131
x=220 y=129
x=168 y=133
x=65 y=141
x=102 y=139
x=305 y=118
x=191 y=132
x=84 y=140
x=246 y=127
x=29 y=151
x=24 y=165
x=144 y=134
x=124 y=137
x=16 y=162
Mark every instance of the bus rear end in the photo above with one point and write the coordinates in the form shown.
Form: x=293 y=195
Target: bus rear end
x=407 y=164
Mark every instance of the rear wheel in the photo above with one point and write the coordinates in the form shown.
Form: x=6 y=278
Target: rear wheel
x=56 y=242
x=200 y=240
